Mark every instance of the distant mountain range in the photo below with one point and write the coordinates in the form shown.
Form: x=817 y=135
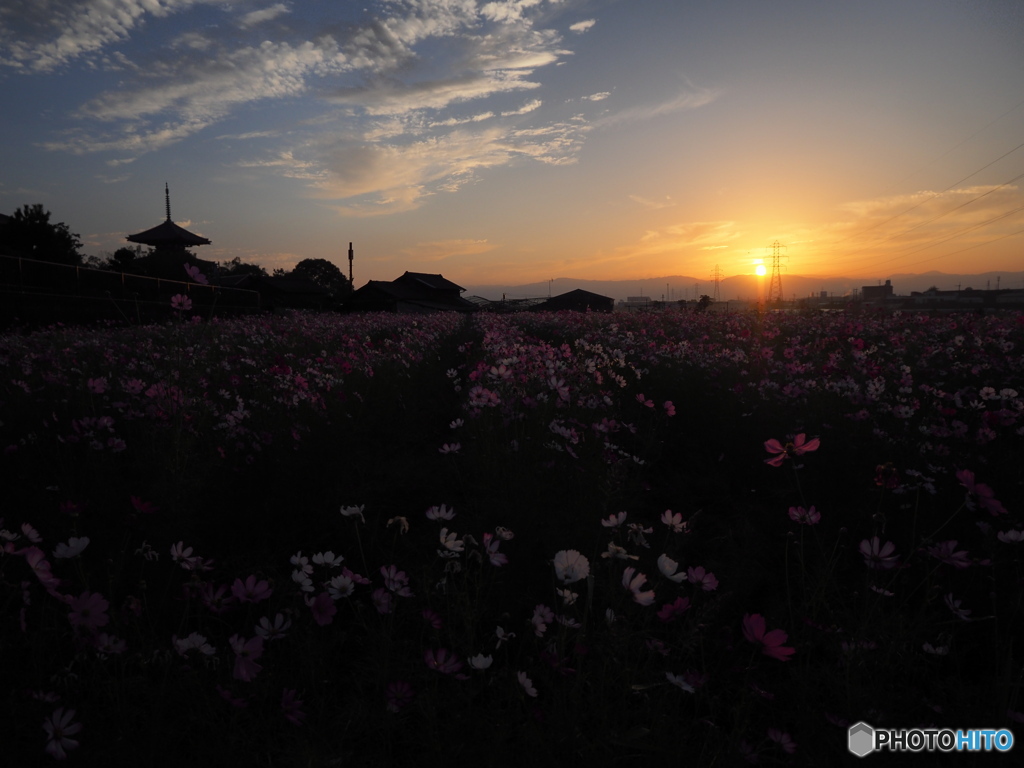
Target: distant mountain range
x=675 y=287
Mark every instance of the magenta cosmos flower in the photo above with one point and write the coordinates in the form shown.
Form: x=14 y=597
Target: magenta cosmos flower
x=771 y=642
x=246 y=653
x=798 y=447
x=89 y=611
x=442 y=660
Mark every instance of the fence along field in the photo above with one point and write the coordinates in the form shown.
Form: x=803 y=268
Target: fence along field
x=314 y=540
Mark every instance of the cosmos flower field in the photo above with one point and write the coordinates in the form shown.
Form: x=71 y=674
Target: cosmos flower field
x=551 y=539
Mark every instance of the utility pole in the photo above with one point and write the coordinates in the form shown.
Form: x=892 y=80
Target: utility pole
x=351 y=255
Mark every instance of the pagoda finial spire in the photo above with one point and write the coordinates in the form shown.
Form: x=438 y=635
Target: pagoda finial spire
x=167 y=199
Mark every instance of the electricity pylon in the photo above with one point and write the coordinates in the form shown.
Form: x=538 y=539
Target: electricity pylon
x=716 y=275
x=775 y=286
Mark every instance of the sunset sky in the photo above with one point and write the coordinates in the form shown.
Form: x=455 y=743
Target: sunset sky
x=523 y=140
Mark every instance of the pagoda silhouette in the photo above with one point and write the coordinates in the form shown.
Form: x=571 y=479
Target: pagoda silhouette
x=170 y=244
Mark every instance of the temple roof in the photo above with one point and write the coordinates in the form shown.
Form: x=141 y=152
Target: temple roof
x=168 y=234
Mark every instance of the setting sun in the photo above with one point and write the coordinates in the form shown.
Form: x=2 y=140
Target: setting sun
x=761 y=271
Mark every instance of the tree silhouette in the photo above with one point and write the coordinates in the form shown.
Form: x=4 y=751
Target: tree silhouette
x=238 y=267
x=325 y=274
x=30 y=234
x=704 y=303
x=122 y=259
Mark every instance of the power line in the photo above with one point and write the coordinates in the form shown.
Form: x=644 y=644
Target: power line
x=936 y=194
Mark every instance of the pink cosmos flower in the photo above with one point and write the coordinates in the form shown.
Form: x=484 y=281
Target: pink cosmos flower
x=251 y=590
x=804 y=516
x=323 y=608
x=783 y=739
x=97 y=386
x=59 y=728
x=984 y=494
x=614 y=521
x=231 y=698
x=878 y=555
x=635 y=583
x=442 y=660
x=36 y=560
x=442 y=512
x=527 y=684
x=670 y=410
x=216 y=598
x=673 y=520
x=246 y=653
x=491 y=544
x=798 y=447
x=181 y=302
x=396 y=580
x=291 y=705
x=145 y=507
x=89 y=611
x=542 y=616
x=432 y=618
x=644 y=401
x=771 y=642
x=398 y=694
x=671 y=611
x=383 y=601
x=194 y=273
x=946 y=552
x=705 y=579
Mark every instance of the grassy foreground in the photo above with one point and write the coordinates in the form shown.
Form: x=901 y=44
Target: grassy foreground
x=540 y=539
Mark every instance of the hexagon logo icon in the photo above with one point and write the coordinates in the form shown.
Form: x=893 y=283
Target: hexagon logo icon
x=861 y=739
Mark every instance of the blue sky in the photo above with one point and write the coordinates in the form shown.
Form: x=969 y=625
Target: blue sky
x=524 y=140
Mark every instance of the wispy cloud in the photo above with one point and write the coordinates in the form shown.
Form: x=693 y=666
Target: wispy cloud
x=527 y=107
x=253 y=18
x=654 y=204
x=401 y=101
x=440 y=250
x=688 y=99
x=44 y=35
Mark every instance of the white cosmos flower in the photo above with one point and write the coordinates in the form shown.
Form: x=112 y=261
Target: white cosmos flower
x=73 y=548
x=352 y=511
x=480 y=661
x=668 y=568
x=451 y=542
x=328 y=558
x=571 y=566
x=527 y=684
